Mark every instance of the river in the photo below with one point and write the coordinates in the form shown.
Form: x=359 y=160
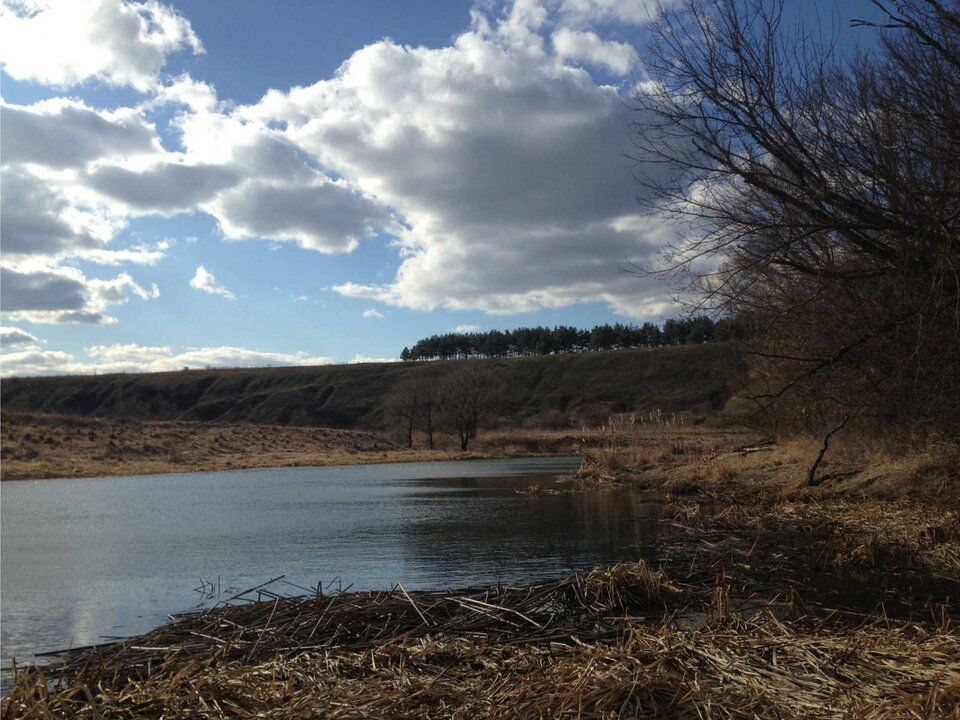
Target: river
x=85 y=559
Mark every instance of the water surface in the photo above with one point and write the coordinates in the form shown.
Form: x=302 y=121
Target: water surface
x=85 y=559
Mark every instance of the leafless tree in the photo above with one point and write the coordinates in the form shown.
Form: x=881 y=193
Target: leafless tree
x=822 y=194
x=465 y=394
x=429 y=408
x=403 y=408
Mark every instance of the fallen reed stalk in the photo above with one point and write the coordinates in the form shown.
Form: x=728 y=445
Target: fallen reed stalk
x=611 y=642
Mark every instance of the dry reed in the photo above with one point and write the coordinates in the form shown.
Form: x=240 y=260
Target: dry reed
x=608 y=643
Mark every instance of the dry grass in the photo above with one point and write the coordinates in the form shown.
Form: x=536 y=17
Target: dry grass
x=44 y=446
x=872 y=511
x=728 y=627
x=628 y=446
x=894 y=536
x=570 y=649
x=733 y=464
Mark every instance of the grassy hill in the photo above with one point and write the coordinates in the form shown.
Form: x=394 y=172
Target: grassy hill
x=549 y=389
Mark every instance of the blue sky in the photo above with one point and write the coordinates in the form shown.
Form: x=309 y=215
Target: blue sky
x=247 y=183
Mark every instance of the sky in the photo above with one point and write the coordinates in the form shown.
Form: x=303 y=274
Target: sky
x=243 y=183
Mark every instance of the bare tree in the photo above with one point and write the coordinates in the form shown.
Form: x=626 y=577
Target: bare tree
x=465 y=394
x=823 y=200
x=403 y=408
x=429 y=408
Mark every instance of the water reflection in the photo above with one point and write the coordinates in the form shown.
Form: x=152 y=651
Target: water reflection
x=479 y=536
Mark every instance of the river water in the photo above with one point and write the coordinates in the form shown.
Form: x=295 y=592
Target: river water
x=91 y=558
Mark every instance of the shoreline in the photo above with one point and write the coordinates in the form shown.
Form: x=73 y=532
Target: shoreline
x=694 y=632
x=767 y=597
x=38 y=447
x=368 y=459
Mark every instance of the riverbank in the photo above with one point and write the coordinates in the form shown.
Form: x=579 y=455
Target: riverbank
x=51 y=446
x=735 y=465
x=738 y=619
x=767 y=598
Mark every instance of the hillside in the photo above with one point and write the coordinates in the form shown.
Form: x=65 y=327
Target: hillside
x=576 y=387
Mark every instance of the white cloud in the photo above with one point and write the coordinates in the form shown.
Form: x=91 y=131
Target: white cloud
x=466 y=329
x=595 y=12
x=589 y=47
x=35 y=217
x=63 y=133
x=48 y=214
x=506 y=166
x=137 y=256
x=68 y=42
x=36 y=361
x=359 y=358
x=184 y=90
x=65 y=295
x=323 y=215
x=496 y=166
x=16 y=336
x=373 y=314
x=165 y=188
x=205 y=281
x=131 y=358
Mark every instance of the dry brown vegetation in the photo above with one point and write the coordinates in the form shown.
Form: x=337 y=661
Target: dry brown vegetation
x=624 y=641
x=770 y=599
x=39 y=446
x=871 y=509
x=737 y=464
x=50 y=446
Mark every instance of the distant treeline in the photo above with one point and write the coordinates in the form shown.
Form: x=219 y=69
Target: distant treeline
x=540 y=340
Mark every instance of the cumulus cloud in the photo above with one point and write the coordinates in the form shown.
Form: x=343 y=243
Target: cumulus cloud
x=205 y=281
x=495 y=165
x=165 y=188
x=42 y=291
x=466 y=329
x=587 y=46
x=280 y=191
x=16 y=336
x=185 y=90
x=62 y=133
x=36 y=361
x=65 y=295
x=68 y=42
x=132 y=358
x=505 y=165
x=35 y=217
x=373 y=314
x=324 y=215
x=47 y=212
x=254 y=180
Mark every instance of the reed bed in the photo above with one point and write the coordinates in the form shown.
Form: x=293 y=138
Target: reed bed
x=623 y=641
x=901 y=535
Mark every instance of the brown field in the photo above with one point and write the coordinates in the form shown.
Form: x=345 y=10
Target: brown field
x=49 y=446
